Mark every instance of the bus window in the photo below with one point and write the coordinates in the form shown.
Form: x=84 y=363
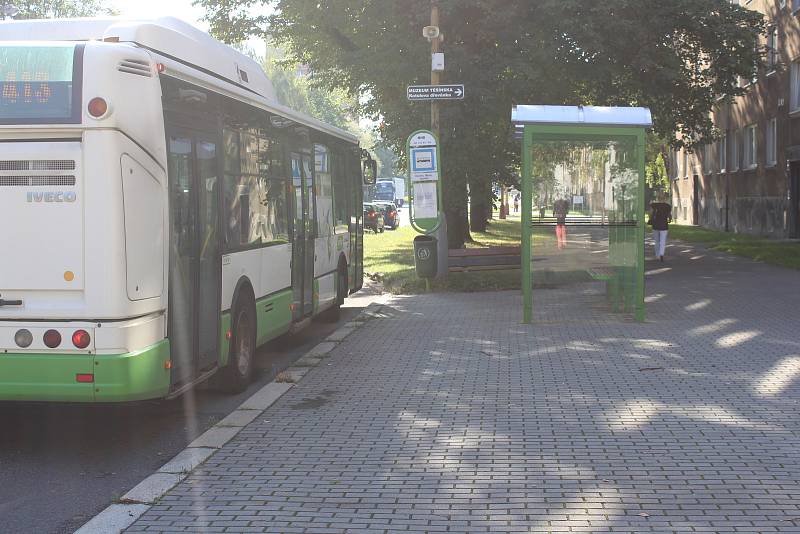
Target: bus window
x=341 y=193
x=256 y=210
x=309 y=185
x=384 y=190
x=189 y=100
x=324 y=191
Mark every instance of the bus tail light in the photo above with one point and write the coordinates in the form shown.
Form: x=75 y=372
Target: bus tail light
x=81 y=339
x=97 y=107
x=52 y=339
x=84 y=378
x=23 y=338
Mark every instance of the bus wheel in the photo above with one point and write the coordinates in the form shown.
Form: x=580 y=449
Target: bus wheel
x=236 y=376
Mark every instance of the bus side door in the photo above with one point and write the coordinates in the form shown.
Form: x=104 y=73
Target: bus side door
x=302 y=235
x=194 y=268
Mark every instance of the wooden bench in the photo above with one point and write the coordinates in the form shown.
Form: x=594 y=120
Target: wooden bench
x=483 y=259
x=602 y=273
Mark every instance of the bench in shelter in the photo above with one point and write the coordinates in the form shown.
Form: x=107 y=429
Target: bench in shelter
x=483 y=259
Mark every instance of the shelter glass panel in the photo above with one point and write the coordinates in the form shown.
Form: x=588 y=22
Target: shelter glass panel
x=585 y=222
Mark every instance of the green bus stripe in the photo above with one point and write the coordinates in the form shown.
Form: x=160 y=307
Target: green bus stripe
x=273 y=315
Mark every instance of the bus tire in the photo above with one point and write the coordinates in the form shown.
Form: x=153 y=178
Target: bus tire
x=334 y=313
x=236 y=376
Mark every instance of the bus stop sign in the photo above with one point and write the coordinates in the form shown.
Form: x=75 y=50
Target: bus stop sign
x=424 y=172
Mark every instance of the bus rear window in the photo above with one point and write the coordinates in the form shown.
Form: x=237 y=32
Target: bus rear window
x=40 y=83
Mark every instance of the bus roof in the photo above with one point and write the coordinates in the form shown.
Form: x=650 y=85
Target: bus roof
x=176 y=40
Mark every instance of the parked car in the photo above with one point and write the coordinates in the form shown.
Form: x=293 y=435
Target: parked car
x=391 y=219
x=373 y=218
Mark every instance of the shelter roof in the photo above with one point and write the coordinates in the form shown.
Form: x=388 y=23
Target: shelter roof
x=581 y=116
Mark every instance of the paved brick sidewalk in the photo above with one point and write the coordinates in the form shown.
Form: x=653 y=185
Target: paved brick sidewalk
x=447 y=415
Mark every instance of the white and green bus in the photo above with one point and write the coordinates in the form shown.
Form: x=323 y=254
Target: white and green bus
x=161 y=215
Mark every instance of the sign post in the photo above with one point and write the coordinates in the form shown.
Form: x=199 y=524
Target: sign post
x=435 y=92
x=424 y=178
x=436 y=79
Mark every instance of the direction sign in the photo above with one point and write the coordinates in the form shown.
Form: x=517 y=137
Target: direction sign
x=435 y=92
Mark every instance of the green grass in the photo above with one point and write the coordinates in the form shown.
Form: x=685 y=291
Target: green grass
x=498 y=234
x=389 y=258
x=783 y=253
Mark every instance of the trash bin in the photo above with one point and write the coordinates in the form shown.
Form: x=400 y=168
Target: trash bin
x=425 y=260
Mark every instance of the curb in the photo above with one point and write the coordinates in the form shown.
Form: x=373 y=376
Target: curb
x=138 y=500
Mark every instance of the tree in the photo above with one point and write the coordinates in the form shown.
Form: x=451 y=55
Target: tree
x=296 y=91
x=674 y=57
x=337 y=108
x=56 y=9
x=656 y=175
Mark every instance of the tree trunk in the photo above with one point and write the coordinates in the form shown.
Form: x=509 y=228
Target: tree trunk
x=455 y=191
x=456 y=212
x=478 y=206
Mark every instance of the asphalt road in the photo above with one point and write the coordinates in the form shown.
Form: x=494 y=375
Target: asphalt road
x=62 y=464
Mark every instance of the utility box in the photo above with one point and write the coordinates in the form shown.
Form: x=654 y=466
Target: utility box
x=437 y=62
x=425 y=255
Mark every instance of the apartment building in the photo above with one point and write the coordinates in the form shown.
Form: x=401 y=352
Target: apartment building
x=749 y=181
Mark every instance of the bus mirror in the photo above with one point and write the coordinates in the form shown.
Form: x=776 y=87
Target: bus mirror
x=370 y=171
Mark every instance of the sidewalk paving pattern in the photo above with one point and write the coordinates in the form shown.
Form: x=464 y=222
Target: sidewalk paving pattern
x=445 y=414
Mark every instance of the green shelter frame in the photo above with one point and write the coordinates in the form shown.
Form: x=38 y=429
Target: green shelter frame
x=543 y=126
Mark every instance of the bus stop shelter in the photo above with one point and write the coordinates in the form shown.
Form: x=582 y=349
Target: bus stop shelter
x=583 y=212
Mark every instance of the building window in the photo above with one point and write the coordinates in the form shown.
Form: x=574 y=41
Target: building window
x=794 y=86
x=685 y=163
x=707 y=158
x=733 y=164
x=750 y=147
x=673 y=169
x=723 y=153
x=772 y=49
x=772 y=145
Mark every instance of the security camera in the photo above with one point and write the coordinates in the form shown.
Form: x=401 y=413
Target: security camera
x=430 y=32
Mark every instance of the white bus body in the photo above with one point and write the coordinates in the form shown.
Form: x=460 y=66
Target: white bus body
x=94 y=225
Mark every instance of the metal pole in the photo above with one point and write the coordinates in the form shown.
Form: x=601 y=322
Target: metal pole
x=526 y=228
x=435 y=76
x=441 y=233
x=639 y=311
